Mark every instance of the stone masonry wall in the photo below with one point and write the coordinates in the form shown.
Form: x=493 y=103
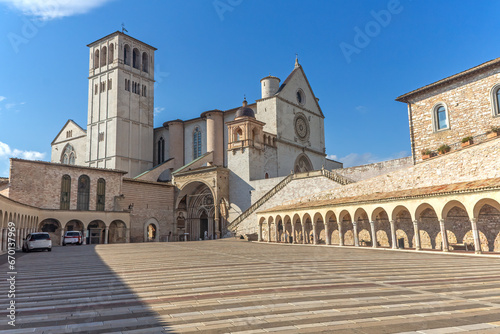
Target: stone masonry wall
x=475 y=162
x=293 y=190
x=469 y=110
x=38 y=183
x=363 y=172
x=150 y=200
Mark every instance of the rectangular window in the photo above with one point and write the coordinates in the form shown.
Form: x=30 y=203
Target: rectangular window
x=109 y=84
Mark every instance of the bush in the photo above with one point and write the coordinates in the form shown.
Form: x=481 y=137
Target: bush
x=466 y=139
x=444 y=149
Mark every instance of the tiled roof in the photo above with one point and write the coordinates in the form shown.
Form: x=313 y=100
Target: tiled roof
x=440 y=190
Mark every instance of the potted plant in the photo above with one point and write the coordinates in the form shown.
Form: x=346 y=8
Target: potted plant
x=466 y=141
x=426 y=154
x=495 y=130
x=444 y=149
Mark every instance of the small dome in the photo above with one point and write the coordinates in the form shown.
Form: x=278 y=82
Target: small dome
x=245 y=111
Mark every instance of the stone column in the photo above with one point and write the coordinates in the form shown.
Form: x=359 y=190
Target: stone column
x=277 y=231
x=315 y=231
x=260 y=232
x=2 y=243
x=444 y=235
x=355 y=232
x=393 y=234
x=217 y=219
x=62 y=236
x=417 y=235
x=328 y=238
x=477 y=241
x=106 y=234
x=304 y=237
x=127 y=235
x=374 y=235
x=268 y=232
x=341 y=234
x=294 y=241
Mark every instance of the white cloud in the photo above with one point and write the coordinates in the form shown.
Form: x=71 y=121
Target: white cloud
x=2 y=98
x=10 y=105
x=52 y=9
x=6 y=152
x=361 y=109
x=158 y=110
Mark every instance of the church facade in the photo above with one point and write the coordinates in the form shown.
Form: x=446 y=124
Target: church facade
x=185 y=180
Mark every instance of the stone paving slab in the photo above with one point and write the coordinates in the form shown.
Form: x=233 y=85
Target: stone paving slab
x=230 y=286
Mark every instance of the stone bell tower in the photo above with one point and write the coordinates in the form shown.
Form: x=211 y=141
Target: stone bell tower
x=121 y=104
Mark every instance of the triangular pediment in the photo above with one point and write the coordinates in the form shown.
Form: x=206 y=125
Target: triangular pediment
x=76 y=131
x=295 y=82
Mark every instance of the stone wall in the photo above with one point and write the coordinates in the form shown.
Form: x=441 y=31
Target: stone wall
x=38 y=183
x=475 y=162
x=363 y=172
x=295 y=189
x=469 y=108
x=149 y=200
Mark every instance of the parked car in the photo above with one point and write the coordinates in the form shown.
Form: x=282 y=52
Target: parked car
x=38 y=240
x=72 y=237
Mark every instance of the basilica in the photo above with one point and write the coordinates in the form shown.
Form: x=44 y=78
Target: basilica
x=205 y=171
x=259 y=170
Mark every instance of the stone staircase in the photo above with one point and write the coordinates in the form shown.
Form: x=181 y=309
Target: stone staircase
x=283 y=183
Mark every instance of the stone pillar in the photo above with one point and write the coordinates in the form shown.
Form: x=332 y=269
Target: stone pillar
x=444 y=235
x=268 y=232
x=2 y=243
x=341 y=234
x=127 y=235
x=260 y=232
x=477 y=240
x=293 y=234
x=393 y=234
x=328 y=238
x=355 y=232
x=315 y=232
x=106 y=234
x=304 y=237
x=276 y=231
x=374 y=235
x=62 y=236
x=417 y=235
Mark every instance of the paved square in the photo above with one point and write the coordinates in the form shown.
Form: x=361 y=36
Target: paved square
x=232 y=286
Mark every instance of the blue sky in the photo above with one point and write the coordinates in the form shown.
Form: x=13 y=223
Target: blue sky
x=358 y=56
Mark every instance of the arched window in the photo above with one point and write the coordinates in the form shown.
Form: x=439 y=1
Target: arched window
x=96 y=59
x=111 y=55
x=82 y=201
x=144 y=62
x=196 y=143
x=135 y=59
x=68 y=155
x=65 y=192
x=126 y=54
x=440 y=115
x=161 y=150
x=266 y=176
x=239 y=134
x=498 y=100
x=104 y=55
x=495 y=99
x=101 y=195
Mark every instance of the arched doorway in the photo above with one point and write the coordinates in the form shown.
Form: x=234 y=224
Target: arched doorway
x=302 y=164
x=95 y=232
x=53 y=228
x=117 y=232
x=204 y=226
